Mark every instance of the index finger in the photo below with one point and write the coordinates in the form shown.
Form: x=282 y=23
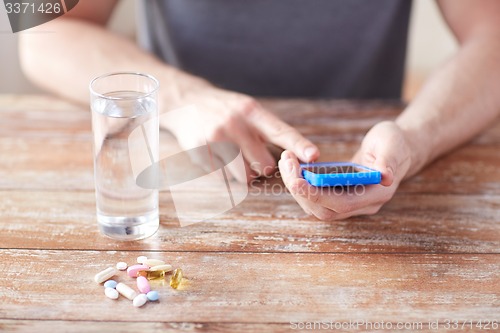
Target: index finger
x=280 y=133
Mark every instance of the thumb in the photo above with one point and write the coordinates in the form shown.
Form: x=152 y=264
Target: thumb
x=384 y=165
x=383 y=156
x=384 y=149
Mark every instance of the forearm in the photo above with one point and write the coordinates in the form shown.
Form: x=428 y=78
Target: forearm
x=65 y=60
x=457 y=102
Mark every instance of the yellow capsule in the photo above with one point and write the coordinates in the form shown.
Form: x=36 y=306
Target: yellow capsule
x=152 y=275
x=176 y=278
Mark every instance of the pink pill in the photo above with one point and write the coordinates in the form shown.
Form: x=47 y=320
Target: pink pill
x=143 y=285
x=133 y=270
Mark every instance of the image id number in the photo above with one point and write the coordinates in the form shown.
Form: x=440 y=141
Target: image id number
x=31 y=8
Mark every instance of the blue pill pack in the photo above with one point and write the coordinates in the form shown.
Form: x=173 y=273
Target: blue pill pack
x=339 y=174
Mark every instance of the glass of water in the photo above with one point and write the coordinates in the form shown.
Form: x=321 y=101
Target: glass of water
x=126 y=133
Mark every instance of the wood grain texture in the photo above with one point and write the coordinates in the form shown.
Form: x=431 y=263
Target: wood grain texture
x=47 y=146
x=264 y=223
x=162 y=327
x=65 y=164
x=432 y=253
x=135 y=327
x=257 y=288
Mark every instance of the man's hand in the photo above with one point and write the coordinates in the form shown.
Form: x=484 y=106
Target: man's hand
x=226 y=116
x=384 y=148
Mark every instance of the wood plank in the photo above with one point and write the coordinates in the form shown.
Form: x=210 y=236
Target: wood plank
x=330 y=120
x=46 y=144
x=168 y=327
x=42 y=116
x=258 y=288
x=410 y=223
x=31 y=326
x=56 y=164
x=46 y=164
x=327 y=121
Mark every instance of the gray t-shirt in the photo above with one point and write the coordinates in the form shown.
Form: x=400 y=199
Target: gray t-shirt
x=293 y=48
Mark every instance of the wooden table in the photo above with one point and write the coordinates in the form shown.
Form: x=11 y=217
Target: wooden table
x=432 y=255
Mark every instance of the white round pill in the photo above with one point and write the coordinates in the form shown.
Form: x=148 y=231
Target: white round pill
x=140 y=300
x=121 y=266
x=141 y=259
x=111 y=293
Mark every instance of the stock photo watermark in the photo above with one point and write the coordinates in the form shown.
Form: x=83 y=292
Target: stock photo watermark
x=429 y=325
x=27 y=14
x=263 y=186
x=200 y=177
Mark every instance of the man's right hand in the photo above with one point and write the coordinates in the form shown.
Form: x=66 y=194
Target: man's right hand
x=227 y=116
x=81 y=42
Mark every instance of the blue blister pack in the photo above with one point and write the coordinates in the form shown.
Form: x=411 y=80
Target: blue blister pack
x=339 y=174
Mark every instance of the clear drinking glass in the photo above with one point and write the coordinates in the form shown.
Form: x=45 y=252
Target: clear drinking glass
x=126 y=133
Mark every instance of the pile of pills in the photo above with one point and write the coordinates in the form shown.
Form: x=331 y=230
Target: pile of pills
x=144 y=271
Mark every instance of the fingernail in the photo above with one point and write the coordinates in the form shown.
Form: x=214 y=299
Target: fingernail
x=309 y=152
x=289 y=166
x=285 y=155
x=389 y=169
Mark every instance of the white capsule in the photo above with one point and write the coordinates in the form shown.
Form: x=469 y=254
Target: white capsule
x=165 y=268
x=140 y=300
x=121 y=266
x=126 y=291
x=153 y=262
x=111 y=293
x=105 y=274
x=141 y=259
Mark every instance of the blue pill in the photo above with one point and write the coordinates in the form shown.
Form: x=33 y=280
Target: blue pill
x=110 y=284
x=153 y=296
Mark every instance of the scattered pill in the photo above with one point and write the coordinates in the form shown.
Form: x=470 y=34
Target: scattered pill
x=176 y=278
x=164 y=267
x=105 y=274
x=145 y=270
x=110 y=284
x=153 y=296
x=153 y=262
x=142 y=273
x=121 y=266
x=132 y=270
x=152 y=275
x=143 y=285
x=126 y=291
x=111 y=293
x=140 y=300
